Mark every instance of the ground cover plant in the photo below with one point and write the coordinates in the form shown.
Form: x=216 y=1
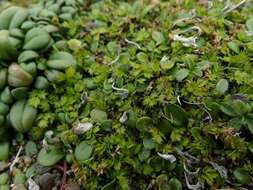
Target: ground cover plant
x=126 y=95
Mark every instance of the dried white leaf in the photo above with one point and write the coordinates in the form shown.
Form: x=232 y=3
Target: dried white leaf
x=169 y=157
x=123 y=118
x=237 y=134
x=188 y=41
x=179 y=101
x=32 y=185
x=198 y=186
x=222 y=170
x=81 y=128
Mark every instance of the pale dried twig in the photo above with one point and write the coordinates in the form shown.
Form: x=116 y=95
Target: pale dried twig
x=192 y=159
x=16 y=159
x=197 y=186
x=133 y=43
x=121 y=91
x=117 y=58
x=229 y=7
x=179 y=101
x=205 y=108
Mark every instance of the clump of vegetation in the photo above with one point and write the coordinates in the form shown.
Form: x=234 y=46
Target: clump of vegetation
x=131 y=95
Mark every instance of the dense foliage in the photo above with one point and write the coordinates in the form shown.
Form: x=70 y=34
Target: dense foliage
x=160 y=98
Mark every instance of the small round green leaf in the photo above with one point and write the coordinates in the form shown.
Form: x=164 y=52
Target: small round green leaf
x=144 y=154
x=176 y=115
x=50 y=157
x=251 y=146
x=148 y=143
x=234 y=47
x=242 y=176
x=175 y=184
x=165 y=126
x=106 y=125
x=235 y=123
x=249 y=24
x=228 y=109
x=98 y=115
x=166 y=64
x=131 y=119
x=31 y=148
x=4 y=178
x=181 y=74
x=19 y=178
x=144 y=123
x=4 y=151
x=196 y=132
x=142 y=57
x=83 y=151
x=222 y=86
x=158 y=37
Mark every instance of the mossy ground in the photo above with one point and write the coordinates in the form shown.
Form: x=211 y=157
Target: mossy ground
x=161 y=88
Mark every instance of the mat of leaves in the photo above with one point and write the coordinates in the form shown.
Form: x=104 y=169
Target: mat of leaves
x=162 y=99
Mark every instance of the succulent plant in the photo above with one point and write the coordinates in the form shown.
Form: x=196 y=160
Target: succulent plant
x=26 y=39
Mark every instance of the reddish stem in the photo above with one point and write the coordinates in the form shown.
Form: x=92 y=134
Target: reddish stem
x=64 y=177
x=58 y=167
